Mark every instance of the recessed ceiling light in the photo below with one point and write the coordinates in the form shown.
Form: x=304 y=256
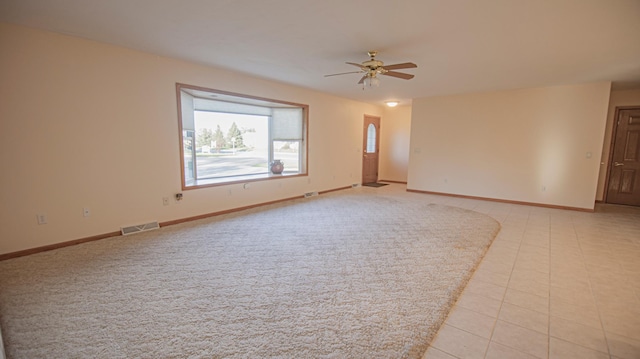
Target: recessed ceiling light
x=392 y=103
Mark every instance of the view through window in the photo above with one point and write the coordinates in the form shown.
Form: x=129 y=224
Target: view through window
x=230 y=137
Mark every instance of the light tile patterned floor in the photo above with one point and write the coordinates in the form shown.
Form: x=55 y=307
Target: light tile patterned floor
x=554 y=284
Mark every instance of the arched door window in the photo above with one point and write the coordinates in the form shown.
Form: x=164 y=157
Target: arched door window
x=371 y=138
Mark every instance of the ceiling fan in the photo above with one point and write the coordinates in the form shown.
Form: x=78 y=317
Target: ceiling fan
x=372 y=68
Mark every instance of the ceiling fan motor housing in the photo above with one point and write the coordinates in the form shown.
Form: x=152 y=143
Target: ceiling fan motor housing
x=373 y=64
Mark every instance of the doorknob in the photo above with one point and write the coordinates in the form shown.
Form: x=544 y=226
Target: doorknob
x=618 y=164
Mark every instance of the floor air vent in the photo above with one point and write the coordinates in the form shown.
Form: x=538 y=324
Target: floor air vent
x=310 y=194
x=139 y=228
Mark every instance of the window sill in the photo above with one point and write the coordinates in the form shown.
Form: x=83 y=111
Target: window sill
x=223 y=181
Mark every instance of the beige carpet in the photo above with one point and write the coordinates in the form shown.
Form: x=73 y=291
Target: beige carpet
x=359 y=273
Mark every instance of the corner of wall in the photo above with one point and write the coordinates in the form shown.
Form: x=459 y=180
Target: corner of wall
x=394 y=143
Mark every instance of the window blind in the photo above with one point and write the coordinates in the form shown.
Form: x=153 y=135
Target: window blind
x=287 y=124
x=201 y=104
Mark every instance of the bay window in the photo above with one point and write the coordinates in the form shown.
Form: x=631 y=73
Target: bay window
x=228 y=137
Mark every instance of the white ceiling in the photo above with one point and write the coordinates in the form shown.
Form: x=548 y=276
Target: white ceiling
x=460 y=46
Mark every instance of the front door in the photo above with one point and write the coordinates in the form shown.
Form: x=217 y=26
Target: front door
x=624 y=170
x=371 y=149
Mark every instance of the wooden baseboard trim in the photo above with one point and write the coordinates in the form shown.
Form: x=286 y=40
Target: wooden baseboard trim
x=49 y=247
x=390 y=181
x=334 y=190
x=238 y=209
x=504 y=201
x=226 y=211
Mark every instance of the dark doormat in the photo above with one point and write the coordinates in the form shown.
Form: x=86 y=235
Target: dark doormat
x=374 y=184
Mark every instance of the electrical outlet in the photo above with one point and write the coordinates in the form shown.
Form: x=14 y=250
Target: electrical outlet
x=86 y=212
x=42 y=218
x=165 y=201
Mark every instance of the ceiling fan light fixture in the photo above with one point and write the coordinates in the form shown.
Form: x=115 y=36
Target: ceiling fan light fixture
x=392 y=103
x=375 y=81
x=371 y=81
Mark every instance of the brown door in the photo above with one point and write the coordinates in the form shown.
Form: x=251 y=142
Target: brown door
x=371 y=149
x=624 y=170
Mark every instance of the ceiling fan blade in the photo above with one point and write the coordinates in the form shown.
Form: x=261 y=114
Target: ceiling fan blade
x=344 y=73
x=364 y=68
x=362 y=79
x=404 y=65
x=399 y=75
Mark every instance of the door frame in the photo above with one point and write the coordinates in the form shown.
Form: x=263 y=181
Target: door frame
x=614 y=131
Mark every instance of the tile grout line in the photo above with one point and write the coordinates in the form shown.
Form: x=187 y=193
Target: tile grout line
x=453 y=326
x=496 y=318
x=473 y=208
x=595 y=302
x=510 y=274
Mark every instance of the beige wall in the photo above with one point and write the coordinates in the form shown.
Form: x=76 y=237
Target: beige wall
x=395 y=131
x=527 y=145
x=618 y=98
x=87 y=124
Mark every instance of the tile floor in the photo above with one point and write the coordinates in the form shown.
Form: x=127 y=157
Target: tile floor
x=554 y=284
